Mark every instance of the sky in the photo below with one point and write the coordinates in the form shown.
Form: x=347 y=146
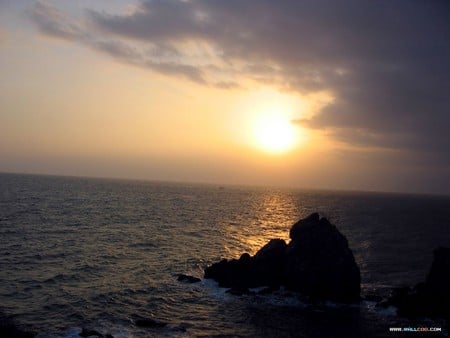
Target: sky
x=351 y=95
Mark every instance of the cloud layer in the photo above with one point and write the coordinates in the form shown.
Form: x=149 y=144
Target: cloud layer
x=385 y=62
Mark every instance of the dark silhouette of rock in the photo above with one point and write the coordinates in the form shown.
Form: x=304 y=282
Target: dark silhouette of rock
x=149 y=322
x=233 y=273
x=245 y=258
x=373 y=298
x=238 y=291
x=431 y=298
x=9 y=329
x=188 y=279
x=263 y=269
x=88 y=333
x=269 y=263
x=223 y=273
x=268 y=290
x=317 y=262
x=438 y=279
x=297 y=228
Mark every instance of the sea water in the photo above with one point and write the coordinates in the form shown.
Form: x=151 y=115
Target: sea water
x=99 y=253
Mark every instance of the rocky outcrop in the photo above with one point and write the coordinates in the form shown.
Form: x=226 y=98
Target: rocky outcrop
x=431 y=298
x=266 y=268
x=317 y=262
x=438 y=280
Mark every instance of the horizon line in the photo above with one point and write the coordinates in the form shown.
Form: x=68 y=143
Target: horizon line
x=232 y=185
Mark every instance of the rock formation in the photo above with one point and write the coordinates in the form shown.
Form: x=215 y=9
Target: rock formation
x=317 y=262
x=320 y=263
x=431 y=298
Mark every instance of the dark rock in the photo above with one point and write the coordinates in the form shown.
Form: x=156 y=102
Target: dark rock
x=218 y=271
x=149 y=322
x=438 y=279
x=431 y=298
x=9 y=329
x=301 y=225
x=239 y=291
x=264 y=269
x=87 y=333
x=245 y=258
x=232 y=274
x=188 y=279
x=407 y=300
x=272 y=251
x=373 y=298
x=268 y=290
x=269 y=263
x=319 y=262
x=178 y=328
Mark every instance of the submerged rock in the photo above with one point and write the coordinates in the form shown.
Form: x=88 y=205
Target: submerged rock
x=188 y=279
x=149 y=322
x=317 y=262
x=90 y=333
x=268 y=290
x=239 y=291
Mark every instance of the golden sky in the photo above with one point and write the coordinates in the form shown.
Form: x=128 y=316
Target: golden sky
x=167 y=91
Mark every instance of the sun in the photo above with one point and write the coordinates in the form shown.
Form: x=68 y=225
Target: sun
x=275 y=133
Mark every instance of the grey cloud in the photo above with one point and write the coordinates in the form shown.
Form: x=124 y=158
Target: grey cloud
x=386 y=62
x=55 y=23
x=153 y=21
x=170 y=68
x=148 y=60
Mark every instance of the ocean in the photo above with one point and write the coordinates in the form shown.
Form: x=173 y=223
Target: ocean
x=99 y=253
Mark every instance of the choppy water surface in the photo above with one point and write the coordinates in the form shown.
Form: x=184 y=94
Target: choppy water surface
x=78 y=252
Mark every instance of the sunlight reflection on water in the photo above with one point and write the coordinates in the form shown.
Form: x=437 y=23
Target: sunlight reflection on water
x=77 y=252
x=273 y=216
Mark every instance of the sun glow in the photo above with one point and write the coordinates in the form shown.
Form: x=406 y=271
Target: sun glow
x=275 y=134
x=263 y=122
